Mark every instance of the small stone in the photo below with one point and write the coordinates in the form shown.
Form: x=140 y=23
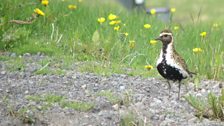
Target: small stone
x=13 y=55
x=116 y=107
x=26 y=92
x=39 y=54
x=7 y=91
x=198 y=94
x=95 y=89
x=155 y=117
x=122 y=87
x=203 y=90
x=3 y=72
x=220 y=85
x=27 y=54
x=84 y=86
x=156 y=100
x=39 y=107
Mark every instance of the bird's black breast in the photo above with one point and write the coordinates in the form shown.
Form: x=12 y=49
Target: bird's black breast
x=169 y=72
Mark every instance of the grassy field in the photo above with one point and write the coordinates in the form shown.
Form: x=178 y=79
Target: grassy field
x=73 y=33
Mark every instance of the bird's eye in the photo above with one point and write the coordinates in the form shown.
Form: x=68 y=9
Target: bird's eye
x=165 y=35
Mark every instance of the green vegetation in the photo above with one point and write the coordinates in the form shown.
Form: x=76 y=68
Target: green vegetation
x=212 y=108
x=131 y=119
x=77 y=34
x=80 y=106
x=15 y=64
x=49 y=99
x=4 y=58
x=110 y=96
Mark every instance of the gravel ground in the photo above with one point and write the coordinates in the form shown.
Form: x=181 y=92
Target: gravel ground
x=143 y=99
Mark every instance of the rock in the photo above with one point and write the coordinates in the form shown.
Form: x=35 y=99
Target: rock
x=154 y=117
x=84 y=86
x=116 y=107
x=27 y=54
x=122 y=87
x=220 y=85
x=26 y=92
x=13 y=55
x=95 y=89
x=7 y=91
x=3 y=72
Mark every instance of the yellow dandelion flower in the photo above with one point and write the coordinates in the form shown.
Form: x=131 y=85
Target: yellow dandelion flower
x=118 y=21
x=203 y=34
x=147 y=26
x=215 y=25
x=197 y=50
x=116 y=28
x=45 y=2
x=115 y=22
x=172 y=10
x=176 y=28
x=152 y=42
x=112 y=16
x=132 y=44
x=101 y=20
x=126 y=34
x=112 y=22
x=39 y=12
x=72 y=7
x=153 y=11
x=148 y=67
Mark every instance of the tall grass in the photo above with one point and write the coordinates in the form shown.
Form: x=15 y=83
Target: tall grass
x=77 y=33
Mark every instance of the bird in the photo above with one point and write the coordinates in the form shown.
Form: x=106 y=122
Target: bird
x=170 y=64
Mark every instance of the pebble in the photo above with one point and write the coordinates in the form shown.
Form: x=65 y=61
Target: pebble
x=116 y=107
x=155 y=117
x=7 y=91
x=84 y=86
x=27 y=54
x=122 y=87
x=3 y=72
x=26 y=92
x=13 y=55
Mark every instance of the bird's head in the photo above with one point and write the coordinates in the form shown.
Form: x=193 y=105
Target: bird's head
x=166 y=37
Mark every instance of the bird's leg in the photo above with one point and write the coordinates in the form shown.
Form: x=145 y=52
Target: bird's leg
x=169 y=88
x=179 y=86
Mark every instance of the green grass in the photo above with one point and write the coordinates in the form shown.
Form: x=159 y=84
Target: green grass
x=110 y=96
x=131 y=119
x=80 y=106
x=77 y=34
x=212 y=108
x=15 y=64
x=49 y=99
x=4 y=58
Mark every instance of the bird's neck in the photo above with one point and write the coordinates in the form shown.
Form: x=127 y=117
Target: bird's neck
x=167 y=53
x=168 y=49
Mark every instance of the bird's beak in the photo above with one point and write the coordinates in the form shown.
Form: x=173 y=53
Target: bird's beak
x=159 y=38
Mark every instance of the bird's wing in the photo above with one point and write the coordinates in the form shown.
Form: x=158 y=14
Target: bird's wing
x=182 y=62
